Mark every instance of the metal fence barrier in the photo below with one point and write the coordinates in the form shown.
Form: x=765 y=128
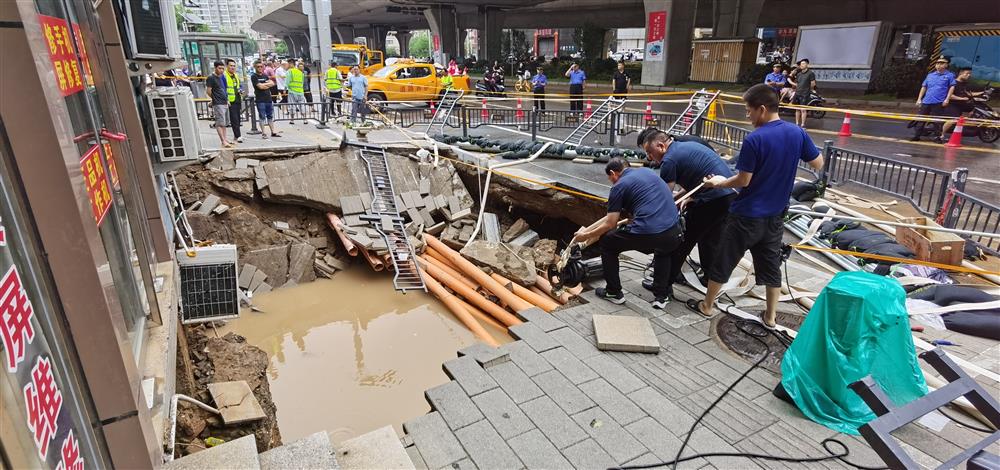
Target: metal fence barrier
x=966 y=212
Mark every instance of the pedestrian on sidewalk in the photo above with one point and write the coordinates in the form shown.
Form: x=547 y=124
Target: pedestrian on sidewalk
x=281 y=79
x=359 y=93
x=776 y=79
x=307 y=83
x=653 y=226
x=332 y=86
x=686 y=164
x=262 y=86
x=805 y=84
x=621 y=82
x=959 y=102
x=577 y=78
x=538 y=83
x=766 y=167
x=296 y=90
x=234 y=94
x=216 y=84
x=936 y=88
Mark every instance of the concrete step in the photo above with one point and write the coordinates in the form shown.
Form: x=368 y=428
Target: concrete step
x=240 y=454
x=380 y=448
x=313 y=452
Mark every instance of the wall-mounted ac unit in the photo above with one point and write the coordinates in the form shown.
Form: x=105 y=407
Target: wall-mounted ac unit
x=209 y=289
x=175 y=124
x=151 y=29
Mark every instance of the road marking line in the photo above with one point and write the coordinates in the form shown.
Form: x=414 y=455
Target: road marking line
x=983 y=180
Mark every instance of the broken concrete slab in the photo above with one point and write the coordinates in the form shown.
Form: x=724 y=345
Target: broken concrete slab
x=454 y=205
x=366 y=199
x=415 y=217
x=387 y=223
x=246 y=275
x=280 y=225
x=256 y=280
x=351 y=205
x=241 y=164
x=300 y=263
x=235 y=401
x=514 y=263
x=208 y=204
x=236 y=454
x=460 y=214
x=242 y=189
x=517 y=228
x=545 y=253
x=237 y=225
x=491 y=227
x=310 y=452
x=425 y=186
x=238 y=174
x=353 y=220
x=372 y=233
x=263 y=288
x=435 y=229
x=526 y=239
x=625 y=333
x=315 y=180
x=361 y=240
x=272 y=261
x=428 y=219
x=222 y=161
x=319 y=242
x=380 y=448
x=429 y=203
x=337 y=263
x=220 y=209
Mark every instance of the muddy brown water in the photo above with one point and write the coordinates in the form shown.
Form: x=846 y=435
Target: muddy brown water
x=349 y=355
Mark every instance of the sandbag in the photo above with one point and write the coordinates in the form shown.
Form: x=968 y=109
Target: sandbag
x=805 y=191
x=857 y=327
x=845 y=238
x=827 y=229
x=865 y=244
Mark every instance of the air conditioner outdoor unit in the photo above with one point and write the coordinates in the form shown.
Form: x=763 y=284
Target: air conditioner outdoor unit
x=151 y=29
x=209 y=289
x=175 y=124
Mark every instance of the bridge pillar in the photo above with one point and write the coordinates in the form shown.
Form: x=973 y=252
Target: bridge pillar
x=490 y=35
x=443 y=22
x=376 y=37
x=345 y=34
x=735 y=18
x=669 y=26
x=403 y=38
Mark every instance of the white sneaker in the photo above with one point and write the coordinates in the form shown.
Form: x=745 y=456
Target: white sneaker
x=240 y=139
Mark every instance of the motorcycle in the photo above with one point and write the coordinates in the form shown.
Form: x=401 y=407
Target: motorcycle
x=814 y=100
x=486 y=88
x=980 y=110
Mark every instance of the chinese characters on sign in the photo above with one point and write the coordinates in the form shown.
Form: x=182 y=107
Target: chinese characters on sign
x=96 y=183
x=44 y=401
x=71 y=459
x=59 y=42
x=787 y=32
x=111 y=164
x=15 y=318
x=656 y=30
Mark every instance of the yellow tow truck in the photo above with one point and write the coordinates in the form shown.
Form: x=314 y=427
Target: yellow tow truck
x=408 y=80
x=349 y=55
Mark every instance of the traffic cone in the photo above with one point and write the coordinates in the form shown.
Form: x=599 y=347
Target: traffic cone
x=649 y=111
x=956 y=134
x=588 y=110
x=520 y=110
x=845 y=128
x=484 y=114
x=432 y=107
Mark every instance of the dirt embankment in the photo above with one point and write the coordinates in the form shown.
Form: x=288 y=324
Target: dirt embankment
x=224 y=359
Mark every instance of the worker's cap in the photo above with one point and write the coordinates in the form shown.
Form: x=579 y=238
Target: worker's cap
x=942 y=59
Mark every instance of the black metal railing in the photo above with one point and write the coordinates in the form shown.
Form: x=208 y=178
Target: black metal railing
x=966 y=212
x=726 y=135
x=923 y=186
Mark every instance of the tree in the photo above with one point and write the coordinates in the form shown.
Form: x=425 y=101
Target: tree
x=183 y=24
x=250 y=46
x=420 y=44
x=281 y=48
x=514 y=43
x=590 y=39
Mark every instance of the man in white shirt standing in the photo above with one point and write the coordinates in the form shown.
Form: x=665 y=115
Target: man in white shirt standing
x=280 y=78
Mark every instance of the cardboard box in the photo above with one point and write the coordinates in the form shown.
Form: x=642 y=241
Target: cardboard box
x=937 y=247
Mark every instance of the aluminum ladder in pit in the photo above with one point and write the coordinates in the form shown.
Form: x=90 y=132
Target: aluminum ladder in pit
x=595 y=119
x=696 y=108
x=450 y=97
x=384 y=215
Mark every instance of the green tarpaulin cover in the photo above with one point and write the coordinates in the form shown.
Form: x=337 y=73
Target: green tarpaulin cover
x=858 y=326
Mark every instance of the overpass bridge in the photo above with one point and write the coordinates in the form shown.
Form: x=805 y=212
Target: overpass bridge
x=305 y=24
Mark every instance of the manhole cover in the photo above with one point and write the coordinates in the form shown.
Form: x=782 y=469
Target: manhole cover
x=729 y=335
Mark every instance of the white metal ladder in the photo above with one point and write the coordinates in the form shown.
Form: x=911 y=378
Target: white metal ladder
x=443 y=112
x=595 y=119
x=383 y=209
x=697 y=105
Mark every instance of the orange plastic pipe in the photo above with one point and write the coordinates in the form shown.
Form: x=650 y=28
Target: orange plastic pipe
x=337 y=225
x=544 y=303
x=478 y=275
x=438 y=256
x=448 y=269
x=545 y=286
x=482 y=316
x=459 y=310
x=373 y=260
x=542 y=293
x=470 y=295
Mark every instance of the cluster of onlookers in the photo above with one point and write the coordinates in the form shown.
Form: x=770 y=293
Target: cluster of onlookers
x=793 y=86
x=942 y=93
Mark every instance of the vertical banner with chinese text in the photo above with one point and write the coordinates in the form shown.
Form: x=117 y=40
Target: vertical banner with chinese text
x=656 y=30
x=59 y=40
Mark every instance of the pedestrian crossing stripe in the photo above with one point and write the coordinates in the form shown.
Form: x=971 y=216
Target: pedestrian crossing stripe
x=940 y=35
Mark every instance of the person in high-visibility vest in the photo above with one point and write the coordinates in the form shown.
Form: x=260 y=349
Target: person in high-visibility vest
x=296 y=90
x=333 y=86
x=446 y=81
x=234 y=92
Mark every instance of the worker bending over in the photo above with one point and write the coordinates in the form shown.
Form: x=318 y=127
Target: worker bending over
x=687 y=164
x=766 y=168
x=652 y=226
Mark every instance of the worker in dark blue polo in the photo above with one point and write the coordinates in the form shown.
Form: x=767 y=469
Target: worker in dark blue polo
x=686 y=164
x=649 y=205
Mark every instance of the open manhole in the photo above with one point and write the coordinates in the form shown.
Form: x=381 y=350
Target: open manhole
x=724 y=328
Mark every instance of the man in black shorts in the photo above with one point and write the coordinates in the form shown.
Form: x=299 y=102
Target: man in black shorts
x=958 y=103
x=621 y=82
x=805 y=83
x=652 y=226
x=766 y=167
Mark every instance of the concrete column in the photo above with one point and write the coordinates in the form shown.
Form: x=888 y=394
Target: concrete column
x=345 y=34
x=403 y=38
x=376 y=37
x=673 y=66
x=463 y=34
x=490 y=35
x=444 y=24
x=323 y=12
x=735 y=18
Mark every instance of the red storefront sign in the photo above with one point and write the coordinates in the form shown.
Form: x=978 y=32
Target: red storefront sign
x=437 y=42
x=16 y=329
x=59 y=41
x=787 y=32
x=97 y=185
x=656 y=28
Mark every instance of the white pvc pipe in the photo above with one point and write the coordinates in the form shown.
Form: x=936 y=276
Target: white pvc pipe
x=168 y=455
x=897 y=224
x=486 y=187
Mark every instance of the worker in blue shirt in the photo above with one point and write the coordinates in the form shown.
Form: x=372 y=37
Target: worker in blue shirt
x=653 y=226
x=934 y=93
x=776 y=79
x=538 y=83
x=577 y=78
